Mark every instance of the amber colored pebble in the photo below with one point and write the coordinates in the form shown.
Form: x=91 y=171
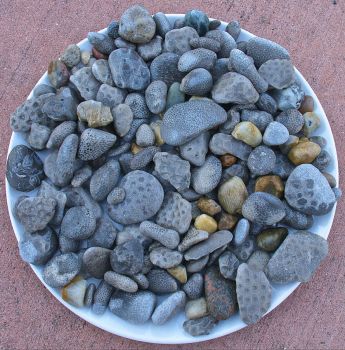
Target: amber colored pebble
x=179 y=272
x=227 y=221
x=135 y=148
x=206 y=223
x=270 y=239
x=209 y=206
x=272 y=184
x=304 y=153
x=228 y=160
x=307 y=105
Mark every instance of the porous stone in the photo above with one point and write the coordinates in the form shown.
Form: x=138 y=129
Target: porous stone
x=205 y=43
x=261 y=160
x=177 y=40
x=123 y=118
x=120 y=282
x=156 y=95
x=197 y=265
x=192 y=237
x=275 y=134
x=113 y=29
x=161 y=282
x=168 y=237
x=267 y=103
x=227 y=42
x=254 y=293
x=116 y=196
x=198 y=82
x=136 y=25
x=145 y=136
x=143 y=157
x=228 y=265
x=102 y=297
x=101 y=42
x=234 y=29
x=195 y=150
x=263 y=208
x=81 y=176
x=101 y=71
x=104 y=234
x=136 y=101
x=308 y=191
x=165 y=258
x=322 y=160
x=85 y=83
x=297 y=258
x=129 y=70
x=96 y=261
x=197 y=58
x=110 y=96
x=59 y=134
x=258 y=260
x=68 y=245
x=184 y=121
x=292 y=119
x=151 y=50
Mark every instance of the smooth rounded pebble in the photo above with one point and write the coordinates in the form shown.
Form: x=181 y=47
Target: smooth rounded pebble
x=168 y=237
x=275 y=134
x=261 y=160
x=161 y=282
x=120 y=282
x=156 y=96
x=198 y=58
x=96 y=261
x=198 y=82
x=165 y=258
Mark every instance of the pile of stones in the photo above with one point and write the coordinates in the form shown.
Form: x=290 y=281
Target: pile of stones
x=182 y=162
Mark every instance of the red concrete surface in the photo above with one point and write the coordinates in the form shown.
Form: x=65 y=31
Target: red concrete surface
x=34 y=32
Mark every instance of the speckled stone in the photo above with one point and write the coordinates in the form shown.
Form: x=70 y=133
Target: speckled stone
x=85 y=83
x=261 y=160
x=290 y=97
x=150 y=50
x=161 y=282
x=197 y=58
x=279 y=73
x=198 y=82
x=155 y=96
x=195 y=150
x=101 y=42
x=177 y=40
x=110 y=96
x=227 y=42
x=275 y=134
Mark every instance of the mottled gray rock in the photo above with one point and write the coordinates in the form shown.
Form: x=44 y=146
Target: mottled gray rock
x=38 y=247
x=244 y=251
x=61 y=269
x=34 y=213
x=144 y=197
x=96 y=261
x=136 y=101
x=168 y=308
x=296 y=219
x=263 y=50
x=308 y=191
x=113 y=29
x=151 y=50
x=205 y=43
x=259 y=118
x=120 y=282
x=38 y=136
x=173 y=169
x=228 y=265
x=78 y=223
x=200 y=326
x=234 y=88
x=123 y=118
x=215 y=241
x=130 y=232
x=156 y=95
x=164 y=68
x=68 y=245
x=234 y=29
x=101 y=42
x=241 y=231
x=254 y=293
x=42 y=89
x=192 y=237
x=124 y=44
x=137 y=25
x=279 y=73
x=261 y=160
x=104 y=234
x=89 y=294
x=263 y=208
x=177 y=40
x=289 y=98
x=283 y=167
x=292 y=119
x=58 y=74
x=175 y=213
x=275 y=134
x=220 y=68
x=194 y=287
x=129 y=70
x=101 y=71
x=161 y=282
x=206 y=178
x=185 y=121
x=168 y=237
x=94 y=142
x=322 y=160
x=297 y=258
x=197 y=265
x=195 y=150
x=143 y=158
x=198 y=82
x=267 y=103
x=242 y=64
x=59 y=134
x=110 y=96
x=258 y=260
x=85 y=83
x=239 y=170
x=198 y=20
x=144 y=136
x=102 y=297
x=222 y=143
x=227 y=42
x=128 y=258
x=198 y=58
x=133 y=307
x=165 y=258
x=81 y=176
x=116 y=196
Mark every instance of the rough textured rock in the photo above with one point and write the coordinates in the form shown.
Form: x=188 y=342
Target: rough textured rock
x=195 y=150
x=161 y=282
x=96 y=261
x=177 y=40
x=198 y=58
x=85 y=83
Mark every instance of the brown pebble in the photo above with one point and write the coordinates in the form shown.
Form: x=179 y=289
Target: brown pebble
x=307 y=105
x=304 y=152
x=227 y=221
x=228 y=160
x=135 y=148
x=98 y=55
x=272 y=184
x=206 y=223
x=330 y=178
x=209 y=206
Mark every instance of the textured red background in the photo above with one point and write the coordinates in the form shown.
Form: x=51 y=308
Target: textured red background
x=35 y=31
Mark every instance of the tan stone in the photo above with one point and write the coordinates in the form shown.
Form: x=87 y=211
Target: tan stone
x=272 y=184
x=206 y=223
x=94 y=113
x=179 y=272
x=248 y=133
x=227 y=221
x=304 y=152
x=209 y=206
x=228 y=160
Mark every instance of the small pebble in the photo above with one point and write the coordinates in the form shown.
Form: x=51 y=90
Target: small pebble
x=179 y=272
x=241 y=232
x=206 y=223
x=120 y=282
x=196 y=309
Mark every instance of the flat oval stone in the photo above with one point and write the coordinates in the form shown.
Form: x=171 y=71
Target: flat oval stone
x=198 y=58
x=129 y=70
x=270 y=239
x=185 y=121
x=165 y=258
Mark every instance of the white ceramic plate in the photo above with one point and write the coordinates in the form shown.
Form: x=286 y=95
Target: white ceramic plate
x=172 y=332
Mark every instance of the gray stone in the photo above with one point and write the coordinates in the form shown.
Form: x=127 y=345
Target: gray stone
x=116 y=196
x=260 y=119
x=261 y=160
x=38 y=136
x=137 y=25
x=220 y=68
x=111 y=96
x=177 y=40
x=143 y=158
x=283 y=167
x=104 y=180
x=254 y=294
x=297 y=258
x=198 y=82
x=198 y=20
x=205 y=43
x=128 y=257
x=258 y=260
x=244 y=251
x=81 y=176
x=86 y=83
x=43 y=89
x=308 y=191
x=34 y=213
x=197 y=58
x=58 y=74
x=162 y=23
x=239 y=170
x=175 y=213
x=150 y=50
x=275 y=134
x=61 y=270
x=156 y=95
x=206 y=178
x=130 y=232
x=102 y=297
x=123 y=118
x=195 y=150
x=113 y=29
x=168 y=237
x=279 y=73
x=144 y=197
x=192 y=237
x=120 y=282
x=133 y=307
x=228 y=265
x=227 y=42
x=101 y=71
x=38 y=247
x=197 y=265
x=101 y=42
x=194 y=287
x=263 y=50
x=221 y=144
x=234 y=29
x=292 y=119
x=296 y=219
x=200 y=326
x=59 y=134
x=168 y=308
x=241 y=231
x=263 y=208
x=234 y=88
x=138 y=105
x=141 y=280
x=68 y=245
x=289 y=98
x=215 y=241
x=129 y=70
x=267 y=103
x=165 y=258
x=94 y=142
x=104 y=234
x=96 y=261
x=145 y=136
x=78 y=223
x=322 y=160
x=185 y=121
x=161 y=282
x=89 y=294
x=124 y=44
